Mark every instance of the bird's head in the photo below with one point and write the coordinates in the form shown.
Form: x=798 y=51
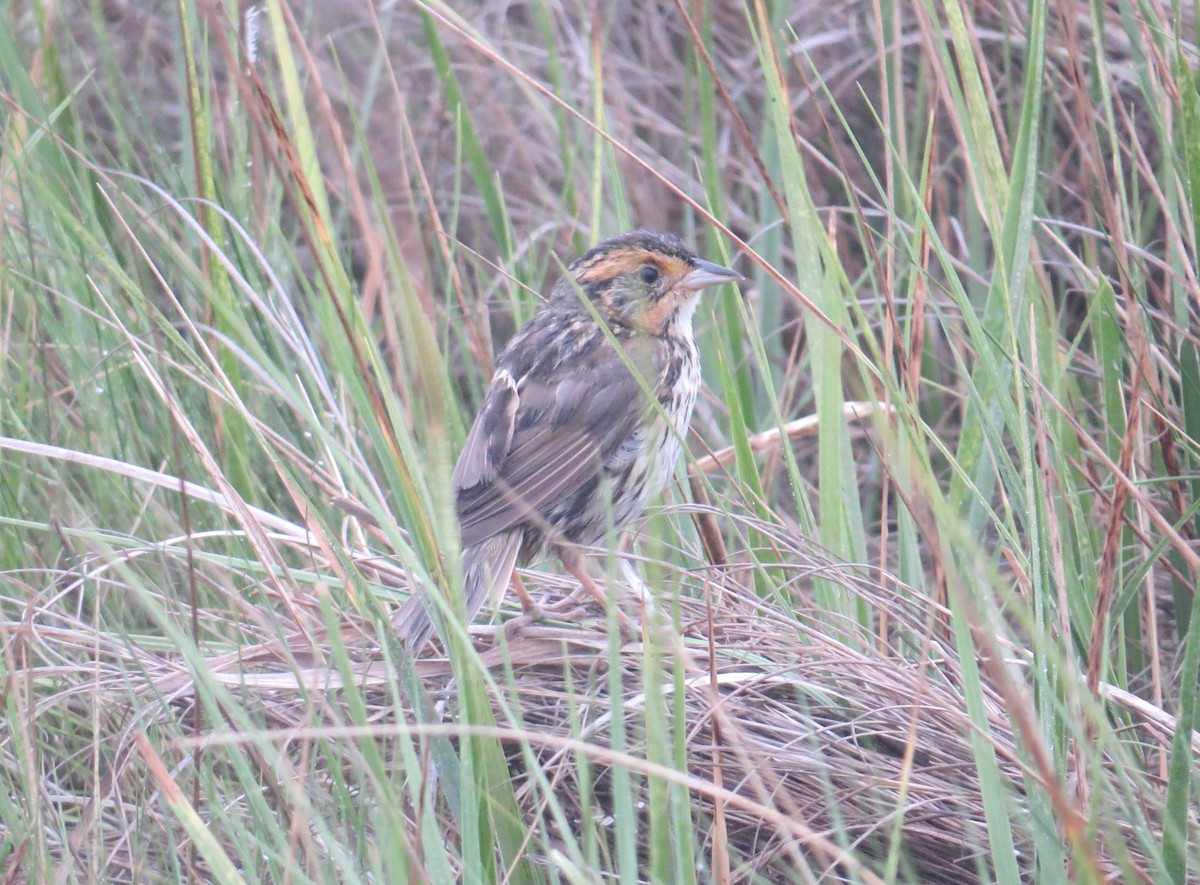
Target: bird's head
x=645 y=280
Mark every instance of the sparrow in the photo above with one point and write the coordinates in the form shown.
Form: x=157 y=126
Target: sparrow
x=584 y=418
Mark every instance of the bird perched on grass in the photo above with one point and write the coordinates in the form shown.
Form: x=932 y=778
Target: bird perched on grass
x=567 y=443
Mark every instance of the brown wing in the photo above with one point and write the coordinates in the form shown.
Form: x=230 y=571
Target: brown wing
x=490 y=436
x=536 y=441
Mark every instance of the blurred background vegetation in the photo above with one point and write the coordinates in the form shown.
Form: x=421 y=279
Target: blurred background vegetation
x=920 y=605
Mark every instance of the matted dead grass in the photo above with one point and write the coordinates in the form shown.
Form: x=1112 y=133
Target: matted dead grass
x=803 y=737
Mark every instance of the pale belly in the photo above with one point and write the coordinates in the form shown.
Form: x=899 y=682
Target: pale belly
x=659 y=448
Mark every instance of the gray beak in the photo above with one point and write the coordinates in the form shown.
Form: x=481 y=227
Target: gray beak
x=708 y=274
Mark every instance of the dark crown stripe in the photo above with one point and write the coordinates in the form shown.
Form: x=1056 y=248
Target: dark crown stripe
x=638 y=240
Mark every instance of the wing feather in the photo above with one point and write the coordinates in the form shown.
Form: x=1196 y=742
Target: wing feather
x=557 y=434
x=491 y=435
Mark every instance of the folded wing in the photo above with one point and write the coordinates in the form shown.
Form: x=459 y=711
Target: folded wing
x=536 y=441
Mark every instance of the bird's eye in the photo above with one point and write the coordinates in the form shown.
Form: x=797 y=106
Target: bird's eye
x=649 y=274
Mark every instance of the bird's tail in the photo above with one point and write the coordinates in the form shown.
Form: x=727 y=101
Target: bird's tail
x=487 y=568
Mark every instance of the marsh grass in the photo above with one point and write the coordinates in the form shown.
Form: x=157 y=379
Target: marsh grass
x=920 y=606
